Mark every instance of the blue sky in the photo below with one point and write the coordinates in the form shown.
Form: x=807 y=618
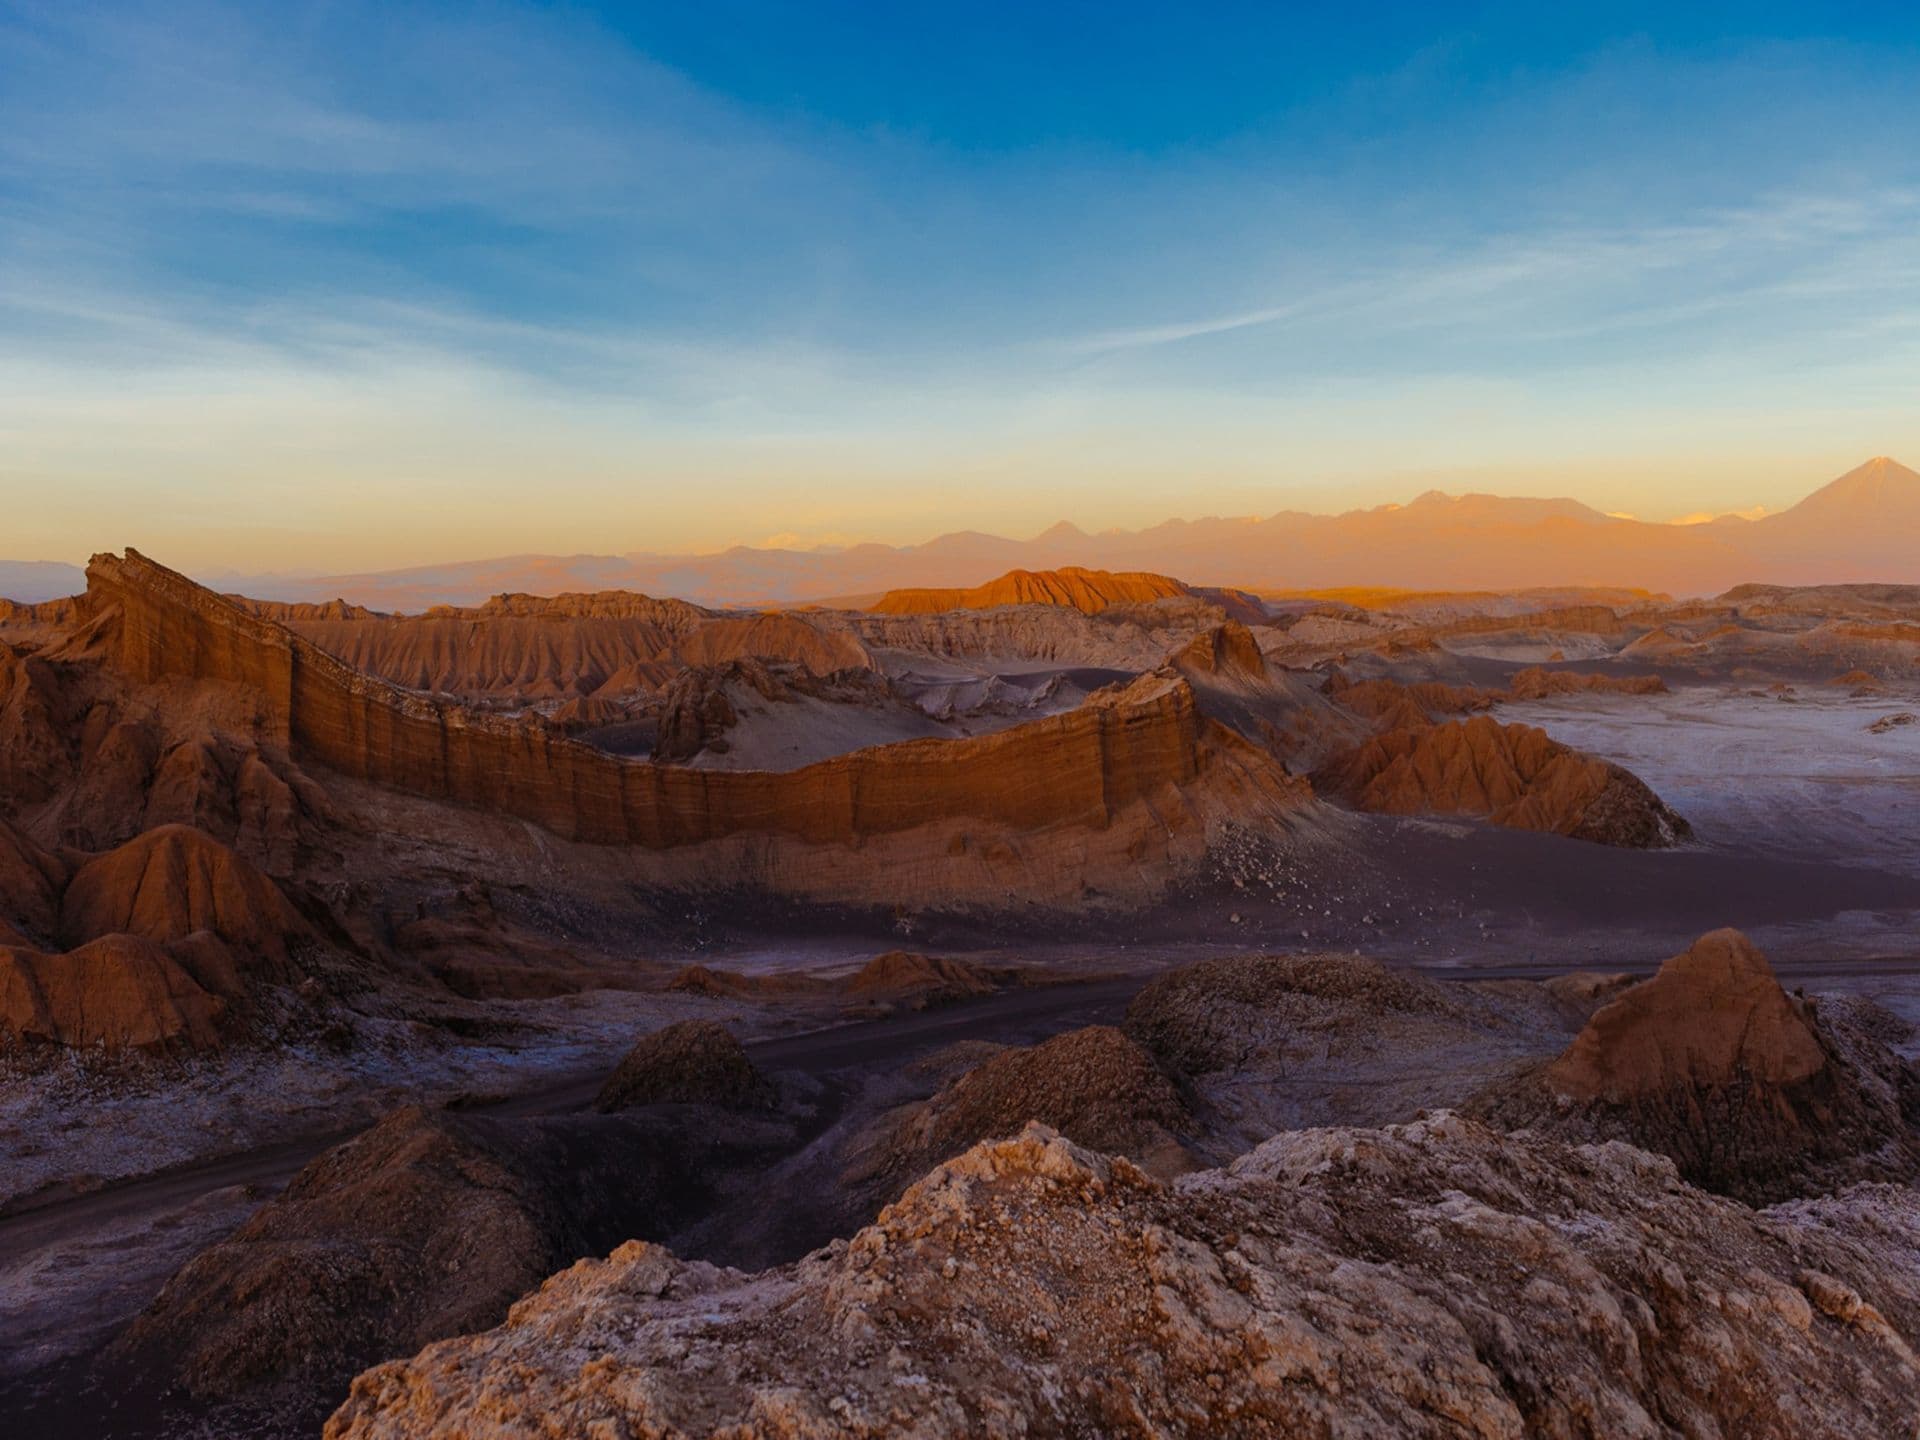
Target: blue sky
x=340 y=286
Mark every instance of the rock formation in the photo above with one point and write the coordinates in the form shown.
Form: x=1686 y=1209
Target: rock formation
x=1272 y=1042
x=429 y=1224
x=920 y=980
x=1535 y=683
x=173 y=882
x=1227 y=652
x=30 y=884
x=117 y=992
x=1088 y=591
x=1094 y=1085
x=1509 y=774
x=145 y=947
x=517 y=650
x=1432 y=1279
x=1077 y=767
x=690 y=1062
x=1711 y=1063
x=1392 y=705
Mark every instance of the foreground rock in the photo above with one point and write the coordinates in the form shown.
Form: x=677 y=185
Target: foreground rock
x=1753 y=1092
x=1434 y=1279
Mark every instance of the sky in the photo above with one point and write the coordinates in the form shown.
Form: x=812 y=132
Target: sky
x=334 y=286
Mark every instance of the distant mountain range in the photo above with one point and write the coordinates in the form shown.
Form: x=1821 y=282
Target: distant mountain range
x=1863 y=526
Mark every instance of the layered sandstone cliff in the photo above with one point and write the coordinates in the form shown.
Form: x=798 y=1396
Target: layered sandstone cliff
x=1121 y=749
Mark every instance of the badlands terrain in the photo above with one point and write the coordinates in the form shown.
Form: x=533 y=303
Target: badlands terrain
x=1066 y=1001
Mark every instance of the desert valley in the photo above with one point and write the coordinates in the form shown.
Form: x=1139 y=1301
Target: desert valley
x=1077 y=1002
x=755 y=721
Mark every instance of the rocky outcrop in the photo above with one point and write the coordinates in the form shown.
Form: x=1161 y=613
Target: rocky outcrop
x=1712 y=1063
x=166 y=933
x=173 y=882
x=1094 y=1085
x=1535 y=683
x=118 y=992
x=518 y=646
x=1274 y=1042
x=525 y=648
x=778 y=639
x=36 y=728
x=1509 y=774
x=1082 y=768
x=696 y=714
x=1394 y=705
x=1088 y=591
x=1225 y=653
x=920 y=980
x=1121 y=637
x=30 y=884
x=690 y=1062
x=1427 y=1280
x=430 y=1224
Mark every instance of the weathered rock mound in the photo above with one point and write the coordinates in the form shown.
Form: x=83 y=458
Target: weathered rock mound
x=118 y=992
x=1511 y=775
x=146 y=946
x=1088 y=591
x=31 y=880
x=690 y=1062
x=173 y=882
x=1227 y=652
x=1393 y=705
x=1273 y=1042
x=1093 y=1084
x=1429 y=1280
x=1217 y=1013
x=1535 y=683
x=922 y=979
x=428 y=1225
x=1712 y=1063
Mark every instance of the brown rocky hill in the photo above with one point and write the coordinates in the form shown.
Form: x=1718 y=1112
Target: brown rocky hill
x=154 y=944
x=429 y=1224
x=690 y=1062
x=1094 y=1085
x=1089 y=591
x=1752 y=1091
x=1511 y=775
x=176 y=881
x=115 y=993
x=1426 y=1280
